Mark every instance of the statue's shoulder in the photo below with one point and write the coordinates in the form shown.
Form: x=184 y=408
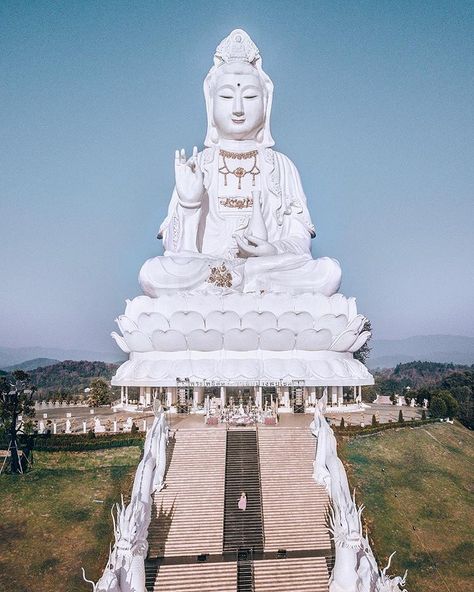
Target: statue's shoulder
x=278 y=159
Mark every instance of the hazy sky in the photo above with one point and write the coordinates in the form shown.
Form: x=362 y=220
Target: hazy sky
x=373 y=102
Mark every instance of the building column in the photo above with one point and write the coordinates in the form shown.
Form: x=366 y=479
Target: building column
x=121 y=395
x=359 y=396
x=333 y=395
x=169 y=397
x=340 y=396
x=223 y=397
x=258 y=396
x=148 y=395
x=126 y=395
x=286 y=397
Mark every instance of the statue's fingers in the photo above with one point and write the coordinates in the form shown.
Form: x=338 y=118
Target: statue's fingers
x=176 y=157
x=195 y=151
x=183 y=156
x=255 y=240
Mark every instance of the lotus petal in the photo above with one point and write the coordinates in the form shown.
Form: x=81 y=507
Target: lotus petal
x=149 y=322
x=234 y=369
x=204 y=369
x=277 y=303
x=138 y=341
x=359 y=342
x=126 y=325
x=140 y=304
x=356 y=323
x=169 y=341
x=181 y=369
x=277 y=340
x=312 y=340
x=200 y=340
x=222 y=321
x=339 y=305
x=351 y=308
x=241 y=340
x=185 y=322
x=167 y=304
x=204 y=303
x=332 y=323
x=316 y=304
x=295 y=321
x=259 y=321
x=240 y=303
x=120 y=341
x=344 y=341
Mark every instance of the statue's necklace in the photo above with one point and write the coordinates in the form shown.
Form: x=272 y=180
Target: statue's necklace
x=239 y=172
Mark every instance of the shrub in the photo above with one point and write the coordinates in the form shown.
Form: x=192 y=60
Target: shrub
x=374 y=420
x=134 y=428
x=400 y=417
x=342 y=425
x=438 y=407
x=423 y=414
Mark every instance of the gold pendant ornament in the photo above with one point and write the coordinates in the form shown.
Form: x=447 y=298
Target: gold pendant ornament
x=239 y=172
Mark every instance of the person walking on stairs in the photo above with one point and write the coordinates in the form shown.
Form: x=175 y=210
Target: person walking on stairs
x=243 y=501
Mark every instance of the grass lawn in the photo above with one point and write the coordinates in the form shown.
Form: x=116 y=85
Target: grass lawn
x=56 y=518
x=417 y=485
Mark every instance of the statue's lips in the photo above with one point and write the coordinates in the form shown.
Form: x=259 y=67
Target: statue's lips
x=238 y=120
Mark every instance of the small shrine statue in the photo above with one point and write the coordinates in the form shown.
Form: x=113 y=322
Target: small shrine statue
x=238 y=219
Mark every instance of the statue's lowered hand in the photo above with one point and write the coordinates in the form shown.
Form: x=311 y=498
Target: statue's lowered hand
x=251 y=246
x=189 y=179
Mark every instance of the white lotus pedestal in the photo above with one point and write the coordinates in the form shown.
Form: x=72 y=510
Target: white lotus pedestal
x=242 y=340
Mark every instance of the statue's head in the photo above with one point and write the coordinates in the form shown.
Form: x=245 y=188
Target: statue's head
x=238 y=93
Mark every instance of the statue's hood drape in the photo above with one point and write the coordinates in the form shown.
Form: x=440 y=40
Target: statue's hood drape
x=238 y=47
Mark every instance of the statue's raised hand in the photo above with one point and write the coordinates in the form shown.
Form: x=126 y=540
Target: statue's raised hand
x=189 y=179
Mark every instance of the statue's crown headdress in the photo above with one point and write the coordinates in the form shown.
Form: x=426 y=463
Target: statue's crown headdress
x=236 y=47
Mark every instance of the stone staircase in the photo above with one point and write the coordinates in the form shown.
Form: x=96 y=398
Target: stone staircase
x=242 y=529
x=193 y=577
x=196 y=529
x=189 y=512
x=299 y=574
x=294 y=506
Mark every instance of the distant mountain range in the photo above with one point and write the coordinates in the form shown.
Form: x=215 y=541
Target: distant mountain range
x=386 y=353
x=13 y=357
x=31 y=364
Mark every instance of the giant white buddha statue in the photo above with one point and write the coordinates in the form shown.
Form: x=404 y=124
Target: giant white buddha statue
x=238 y=218
x=237 y=296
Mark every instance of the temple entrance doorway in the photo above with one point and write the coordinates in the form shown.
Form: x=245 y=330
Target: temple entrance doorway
x=237 y=396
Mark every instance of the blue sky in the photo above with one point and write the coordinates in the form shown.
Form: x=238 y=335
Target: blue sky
x=373 y=102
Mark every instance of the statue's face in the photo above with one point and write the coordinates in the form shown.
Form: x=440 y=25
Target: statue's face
x=238 y=102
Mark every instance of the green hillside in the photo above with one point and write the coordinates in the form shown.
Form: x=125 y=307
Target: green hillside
x=416 y=484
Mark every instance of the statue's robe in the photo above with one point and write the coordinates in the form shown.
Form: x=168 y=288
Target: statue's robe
x=197 y=239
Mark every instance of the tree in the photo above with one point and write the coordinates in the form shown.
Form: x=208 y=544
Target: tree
x=363 y=353
x=400 y=417
x=438 y=407
x=451 y=403
x=16 y=399
x=100 y=393
x=374 y=420
x=423 y=414
x=343 y=425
